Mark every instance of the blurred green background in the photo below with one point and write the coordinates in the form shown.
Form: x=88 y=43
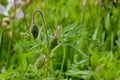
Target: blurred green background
x=87 y=46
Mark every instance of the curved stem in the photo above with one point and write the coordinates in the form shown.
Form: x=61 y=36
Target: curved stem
x=33 y=21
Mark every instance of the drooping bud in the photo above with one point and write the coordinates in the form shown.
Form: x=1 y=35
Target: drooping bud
x=34 y=31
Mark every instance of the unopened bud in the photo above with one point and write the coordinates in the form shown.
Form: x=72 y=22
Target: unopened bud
x=54 y=40
x=34 y=31
x=40 y=62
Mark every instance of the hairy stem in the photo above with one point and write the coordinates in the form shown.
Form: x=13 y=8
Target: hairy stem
x=33 y=21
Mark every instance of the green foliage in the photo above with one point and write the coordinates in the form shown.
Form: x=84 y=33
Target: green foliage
x=87 y=46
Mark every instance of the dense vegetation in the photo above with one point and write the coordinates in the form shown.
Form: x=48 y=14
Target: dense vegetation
x=61 y=39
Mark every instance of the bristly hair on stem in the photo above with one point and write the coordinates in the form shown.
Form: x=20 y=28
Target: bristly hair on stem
x=43 y=20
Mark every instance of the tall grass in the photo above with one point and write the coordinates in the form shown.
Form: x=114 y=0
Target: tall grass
x=87 y=46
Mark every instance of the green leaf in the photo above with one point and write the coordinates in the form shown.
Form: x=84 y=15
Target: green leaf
x=67 y=29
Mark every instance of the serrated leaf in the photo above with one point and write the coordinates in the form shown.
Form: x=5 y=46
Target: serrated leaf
x=68 y=28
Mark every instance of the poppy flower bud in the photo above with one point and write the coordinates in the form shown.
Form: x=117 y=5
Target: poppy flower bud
x=40 y=62
x=34 y=31
x=54 y=41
